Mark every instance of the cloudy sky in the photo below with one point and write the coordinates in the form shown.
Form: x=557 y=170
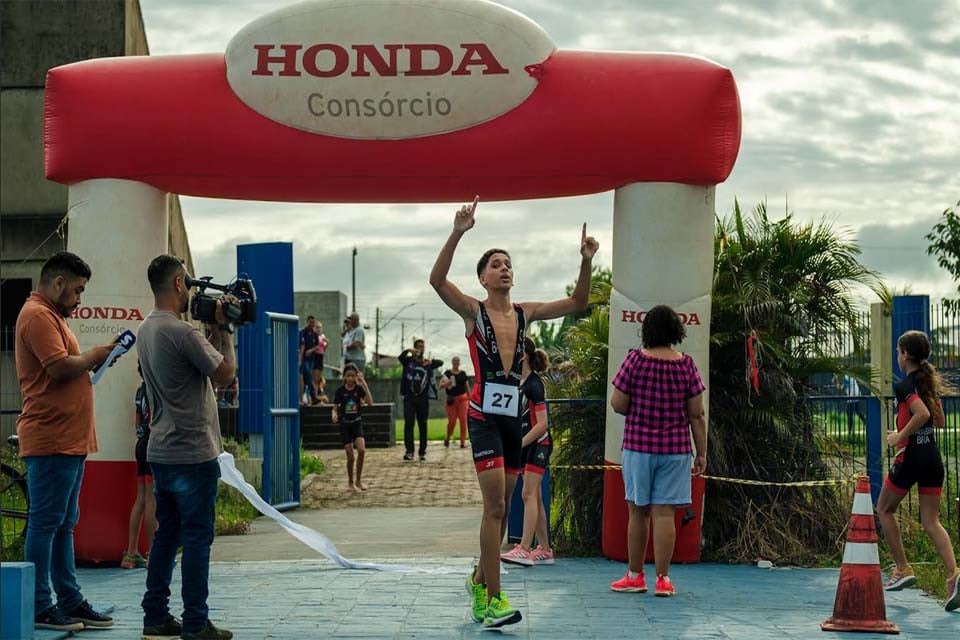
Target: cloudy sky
x=851 y=112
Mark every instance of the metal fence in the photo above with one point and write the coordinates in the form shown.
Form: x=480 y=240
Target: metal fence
x=852 y=345
x=851 y=432
x=281 y=432
x=945 y=341
x=9 y=386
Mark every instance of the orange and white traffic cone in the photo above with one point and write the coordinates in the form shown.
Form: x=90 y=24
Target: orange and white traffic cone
x=859 y=605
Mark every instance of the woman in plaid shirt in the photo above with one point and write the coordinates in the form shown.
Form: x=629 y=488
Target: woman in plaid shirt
x=660 y=392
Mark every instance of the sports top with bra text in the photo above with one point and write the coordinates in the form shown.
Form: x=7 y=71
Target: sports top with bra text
x=494 y=416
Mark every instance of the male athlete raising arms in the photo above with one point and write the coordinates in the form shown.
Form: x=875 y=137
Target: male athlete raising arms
x=495 y=329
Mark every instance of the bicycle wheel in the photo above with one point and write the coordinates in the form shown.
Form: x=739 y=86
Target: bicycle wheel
x=14 y=507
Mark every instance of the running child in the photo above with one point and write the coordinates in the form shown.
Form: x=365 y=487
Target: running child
x=918 y=462
x=347 y=402
x=537 y=447
x=494 y=330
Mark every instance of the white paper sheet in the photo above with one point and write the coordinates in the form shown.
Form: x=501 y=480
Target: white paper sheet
x=313 y=539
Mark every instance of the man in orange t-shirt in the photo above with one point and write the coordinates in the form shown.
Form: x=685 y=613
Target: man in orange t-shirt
x=56 y=433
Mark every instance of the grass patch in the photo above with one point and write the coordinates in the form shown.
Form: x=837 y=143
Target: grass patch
x=436 y=430
x=12 y=529
x=310 y=464
x=14 y=552
x=234 y=514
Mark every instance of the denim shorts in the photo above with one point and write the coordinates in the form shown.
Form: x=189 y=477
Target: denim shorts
x=651 y=478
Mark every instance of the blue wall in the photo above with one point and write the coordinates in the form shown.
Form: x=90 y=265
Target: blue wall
x=270 y=266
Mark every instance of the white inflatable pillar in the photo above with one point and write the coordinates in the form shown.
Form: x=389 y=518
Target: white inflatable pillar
x=662 y=254
x=117 y=227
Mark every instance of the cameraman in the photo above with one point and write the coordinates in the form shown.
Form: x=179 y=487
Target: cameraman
x=178 y=367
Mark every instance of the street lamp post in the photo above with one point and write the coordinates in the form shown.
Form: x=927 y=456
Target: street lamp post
x=353 y=280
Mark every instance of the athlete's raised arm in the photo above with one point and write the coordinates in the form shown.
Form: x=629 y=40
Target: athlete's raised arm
x=580 y=297
x=463 y=304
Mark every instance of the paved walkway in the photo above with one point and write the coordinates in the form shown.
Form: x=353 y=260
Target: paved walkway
x=295 y=595
x=423 y=532
x=446 y=479
x=310 y=599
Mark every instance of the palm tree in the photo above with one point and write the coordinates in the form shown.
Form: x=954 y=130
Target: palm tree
x=579 y=373
x=789 y=284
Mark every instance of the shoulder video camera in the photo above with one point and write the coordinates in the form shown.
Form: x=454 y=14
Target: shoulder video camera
x=203 y=306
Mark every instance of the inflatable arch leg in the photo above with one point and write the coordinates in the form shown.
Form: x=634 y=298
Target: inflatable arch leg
x=117 y=227
x=662 y=254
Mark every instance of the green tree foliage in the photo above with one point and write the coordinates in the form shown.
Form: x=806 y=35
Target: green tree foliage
x=790 y=283
x=579 y=372
x=945 y=245
x=551 y=335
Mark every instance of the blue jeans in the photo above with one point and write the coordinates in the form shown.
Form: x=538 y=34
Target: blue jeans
x=186 y=499
x=306 y=372
x=54 y=486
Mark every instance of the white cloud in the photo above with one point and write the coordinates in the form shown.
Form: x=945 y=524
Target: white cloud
x=850 y=110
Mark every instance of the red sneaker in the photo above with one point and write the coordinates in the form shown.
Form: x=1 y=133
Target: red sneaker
x=626 y=584
x=541 y=555
x=664 y=588
x=517 y=555
x=953 y=592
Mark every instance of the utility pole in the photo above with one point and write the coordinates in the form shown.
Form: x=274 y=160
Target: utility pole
x=353 y=280
x=376 y=355
x=403 y=326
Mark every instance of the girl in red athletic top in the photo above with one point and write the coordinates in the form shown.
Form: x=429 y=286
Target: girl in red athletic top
x=537 y=447
x=918 y=462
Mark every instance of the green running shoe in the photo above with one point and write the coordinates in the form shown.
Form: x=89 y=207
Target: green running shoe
x=477 y=591
x=479 y=606
x=500 y=613
x=471 y=585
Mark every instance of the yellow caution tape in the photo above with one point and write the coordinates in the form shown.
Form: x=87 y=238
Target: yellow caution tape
x=756 y=483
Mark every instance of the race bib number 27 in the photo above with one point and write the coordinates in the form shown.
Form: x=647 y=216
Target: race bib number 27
x=501 y=399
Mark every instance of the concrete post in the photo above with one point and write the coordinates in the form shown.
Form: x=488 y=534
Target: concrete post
x=662 y=254
x=117 y=227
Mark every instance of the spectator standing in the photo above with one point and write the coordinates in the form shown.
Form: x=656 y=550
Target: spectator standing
x=318 y=357
x=455 y=383
x=56 y=430
x=144 y=505
x=417 y=387
x=660 y=392
x=354 y=343
x=309 y=343
x=179 y=364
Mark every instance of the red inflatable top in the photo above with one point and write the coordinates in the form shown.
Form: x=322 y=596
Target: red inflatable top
x=597 y=121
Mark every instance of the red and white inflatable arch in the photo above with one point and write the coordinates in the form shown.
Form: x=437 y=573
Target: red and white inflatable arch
x=385 y=101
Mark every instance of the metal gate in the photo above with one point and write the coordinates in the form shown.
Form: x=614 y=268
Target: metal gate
x=275 y=413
